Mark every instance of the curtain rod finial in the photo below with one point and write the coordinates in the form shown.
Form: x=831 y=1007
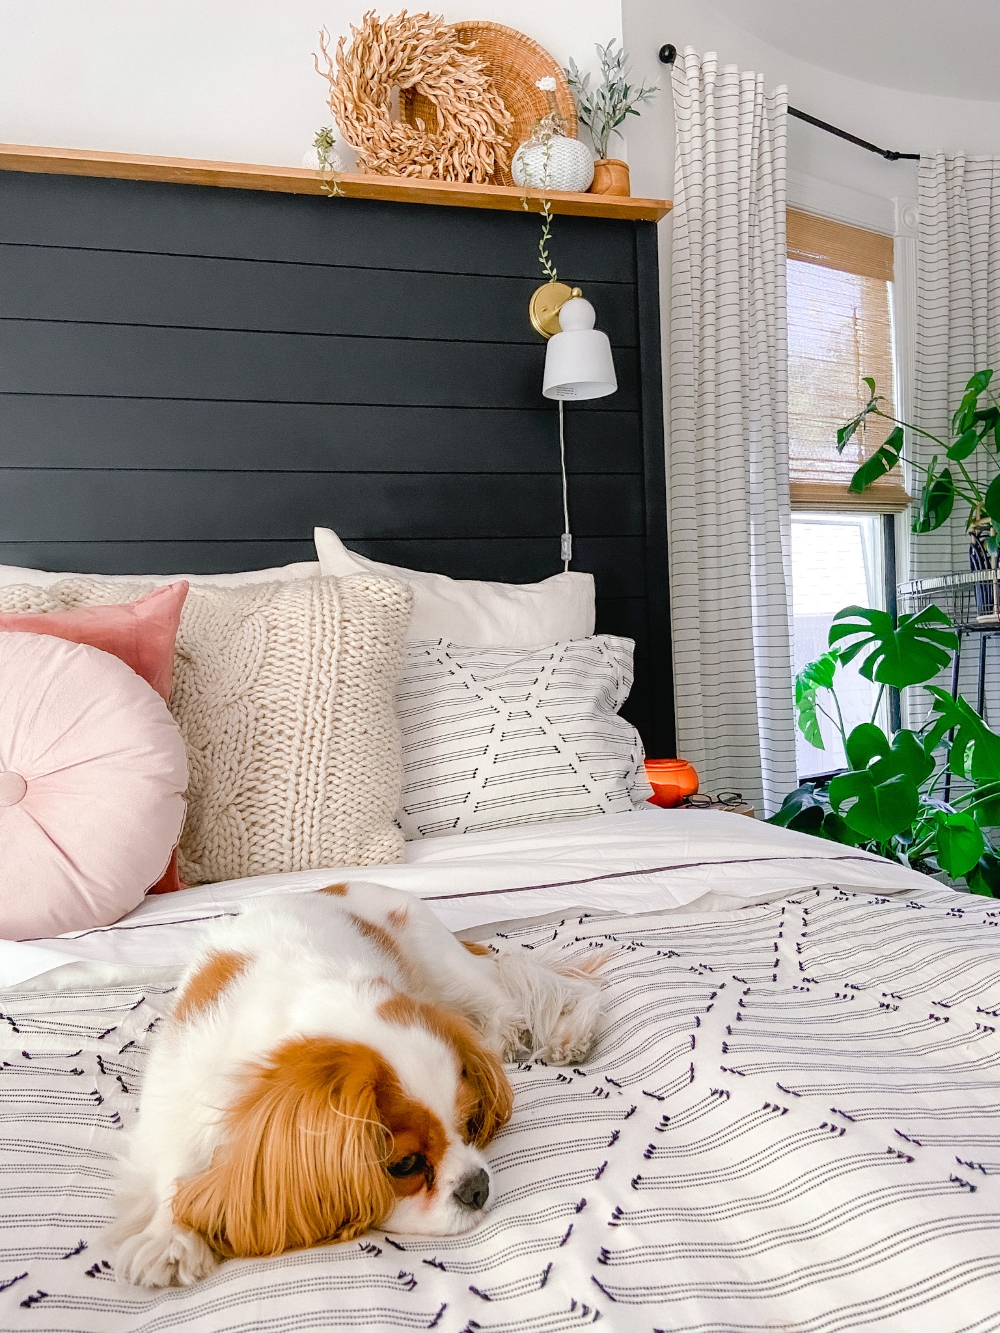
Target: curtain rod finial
x=668 y=54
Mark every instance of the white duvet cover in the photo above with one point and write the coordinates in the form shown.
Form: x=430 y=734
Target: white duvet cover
x=791 y=1119
x=647 y=860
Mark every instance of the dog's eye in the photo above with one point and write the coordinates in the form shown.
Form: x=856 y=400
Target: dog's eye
x=408 y=1166
x=471 y=1128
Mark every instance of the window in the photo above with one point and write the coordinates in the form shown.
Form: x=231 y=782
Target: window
x=837 y=561
x=839 y=330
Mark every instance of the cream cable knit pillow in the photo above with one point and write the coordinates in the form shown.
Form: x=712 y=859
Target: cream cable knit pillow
x=284 y=695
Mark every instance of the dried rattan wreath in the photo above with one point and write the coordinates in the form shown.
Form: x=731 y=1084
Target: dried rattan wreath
x=423 y=53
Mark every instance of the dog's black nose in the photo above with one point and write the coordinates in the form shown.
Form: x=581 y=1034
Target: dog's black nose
x=474 y=1190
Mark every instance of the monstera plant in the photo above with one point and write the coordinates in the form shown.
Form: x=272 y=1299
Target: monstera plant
x=975 y=427
x=890 y=799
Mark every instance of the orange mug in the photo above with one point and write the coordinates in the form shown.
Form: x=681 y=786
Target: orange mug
x=671 y=780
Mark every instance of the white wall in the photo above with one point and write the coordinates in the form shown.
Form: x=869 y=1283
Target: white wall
x=234 y=81
x=826 y=175
x=231 y=80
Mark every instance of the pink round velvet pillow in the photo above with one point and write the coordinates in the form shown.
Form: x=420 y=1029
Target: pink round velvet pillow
x=92 y=781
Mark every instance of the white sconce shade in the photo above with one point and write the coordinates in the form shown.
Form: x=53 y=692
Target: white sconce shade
x=578 y=360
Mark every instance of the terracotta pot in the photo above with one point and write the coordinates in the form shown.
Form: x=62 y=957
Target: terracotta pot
x=611 y=177
x=671 y=780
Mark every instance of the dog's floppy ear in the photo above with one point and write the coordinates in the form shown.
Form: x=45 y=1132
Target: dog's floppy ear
x=490 y=1099
x=303 y=1158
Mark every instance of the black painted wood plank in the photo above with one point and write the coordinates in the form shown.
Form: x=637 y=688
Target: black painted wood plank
x=133 y=506
x=138 y=362
x=153 y=557
x=615 y=562
x=154 y=217
x=110 y=287
x=150 y=424
x=69 y=431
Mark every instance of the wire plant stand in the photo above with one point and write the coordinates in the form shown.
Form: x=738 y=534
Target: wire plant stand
x=971 y=601
x=969 y=598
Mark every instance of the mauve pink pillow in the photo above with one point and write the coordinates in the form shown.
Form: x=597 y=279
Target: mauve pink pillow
x=92 y=781
x=141 y=633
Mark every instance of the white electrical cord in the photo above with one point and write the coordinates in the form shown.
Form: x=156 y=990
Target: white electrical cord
x=566 y=540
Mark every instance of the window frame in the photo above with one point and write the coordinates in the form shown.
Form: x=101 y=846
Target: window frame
x=813 y=239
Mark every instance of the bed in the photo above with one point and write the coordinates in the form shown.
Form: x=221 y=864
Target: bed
x=790 y=1119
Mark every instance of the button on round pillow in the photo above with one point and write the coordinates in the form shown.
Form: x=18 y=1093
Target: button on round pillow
x=92 y=781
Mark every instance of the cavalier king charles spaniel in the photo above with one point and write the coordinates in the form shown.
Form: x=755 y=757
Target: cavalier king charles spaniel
x=333 y=1063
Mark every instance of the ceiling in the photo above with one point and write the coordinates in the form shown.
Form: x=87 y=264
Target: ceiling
x=949 y=48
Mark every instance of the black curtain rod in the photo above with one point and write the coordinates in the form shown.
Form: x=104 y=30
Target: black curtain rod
x=668 y=54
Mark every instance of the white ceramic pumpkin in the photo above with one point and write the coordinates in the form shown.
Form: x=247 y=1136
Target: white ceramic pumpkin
x=557 y=163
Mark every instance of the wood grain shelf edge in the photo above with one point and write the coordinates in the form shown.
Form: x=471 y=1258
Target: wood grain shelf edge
x=297 y=180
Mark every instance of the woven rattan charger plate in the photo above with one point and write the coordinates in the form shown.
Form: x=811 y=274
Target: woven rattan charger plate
x=514 y=63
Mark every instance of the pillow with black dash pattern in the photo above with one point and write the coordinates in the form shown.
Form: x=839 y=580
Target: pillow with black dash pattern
x=494 y=738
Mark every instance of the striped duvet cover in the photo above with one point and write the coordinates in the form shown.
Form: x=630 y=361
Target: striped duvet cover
x=791 y=1121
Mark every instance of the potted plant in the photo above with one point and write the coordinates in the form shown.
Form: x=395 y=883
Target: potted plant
x=889 y=799
x=976 y=430
x=604 y=110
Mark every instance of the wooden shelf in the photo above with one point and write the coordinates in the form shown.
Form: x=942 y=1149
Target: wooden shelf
x=297 y=180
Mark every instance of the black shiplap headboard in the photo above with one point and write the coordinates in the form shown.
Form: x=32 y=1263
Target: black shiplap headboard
x=191 y=378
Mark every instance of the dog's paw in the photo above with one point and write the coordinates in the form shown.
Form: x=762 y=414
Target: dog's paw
x=573 y=1034
x=164 y=1255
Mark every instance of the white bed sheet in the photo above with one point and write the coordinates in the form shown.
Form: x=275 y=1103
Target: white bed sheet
x=650 y=860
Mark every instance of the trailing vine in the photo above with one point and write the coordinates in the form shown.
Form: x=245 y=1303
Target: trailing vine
x=324 y=144
x=548 y=268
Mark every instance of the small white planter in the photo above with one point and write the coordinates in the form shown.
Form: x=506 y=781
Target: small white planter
x=557 y=163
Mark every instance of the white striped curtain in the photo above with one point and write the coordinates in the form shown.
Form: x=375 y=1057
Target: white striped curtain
x=729 y=515
x=958 y=320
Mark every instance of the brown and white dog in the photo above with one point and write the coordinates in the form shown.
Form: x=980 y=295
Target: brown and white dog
x=333 y=1063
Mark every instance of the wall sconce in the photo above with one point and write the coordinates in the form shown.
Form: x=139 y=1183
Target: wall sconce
x=578 y=365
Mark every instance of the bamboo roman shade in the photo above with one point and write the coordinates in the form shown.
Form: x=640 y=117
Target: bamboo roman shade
x=839 y=330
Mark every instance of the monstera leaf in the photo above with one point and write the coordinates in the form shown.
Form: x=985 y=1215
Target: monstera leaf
x=837 y=829
x=908 y=654
x=987 y=797
x=814 y=676
x=868 y=747
x=984 y=877
x=964 y=445
x=966 y=413
x=991 y=503
x=975 y=749
x=960 y=843
x=937 y=499
x=846 y=432
x=801 y=810
x=877 y=810
x=883 y=460
x=865 y=743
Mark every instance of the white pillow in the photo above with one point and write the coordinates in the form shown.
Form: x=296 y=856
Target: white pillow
x=43 y=578
x=474 y=612
x=494 y=738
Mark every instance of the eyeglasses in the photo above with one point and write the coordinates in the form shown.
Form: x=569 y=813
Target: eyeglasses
x=724 y=800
